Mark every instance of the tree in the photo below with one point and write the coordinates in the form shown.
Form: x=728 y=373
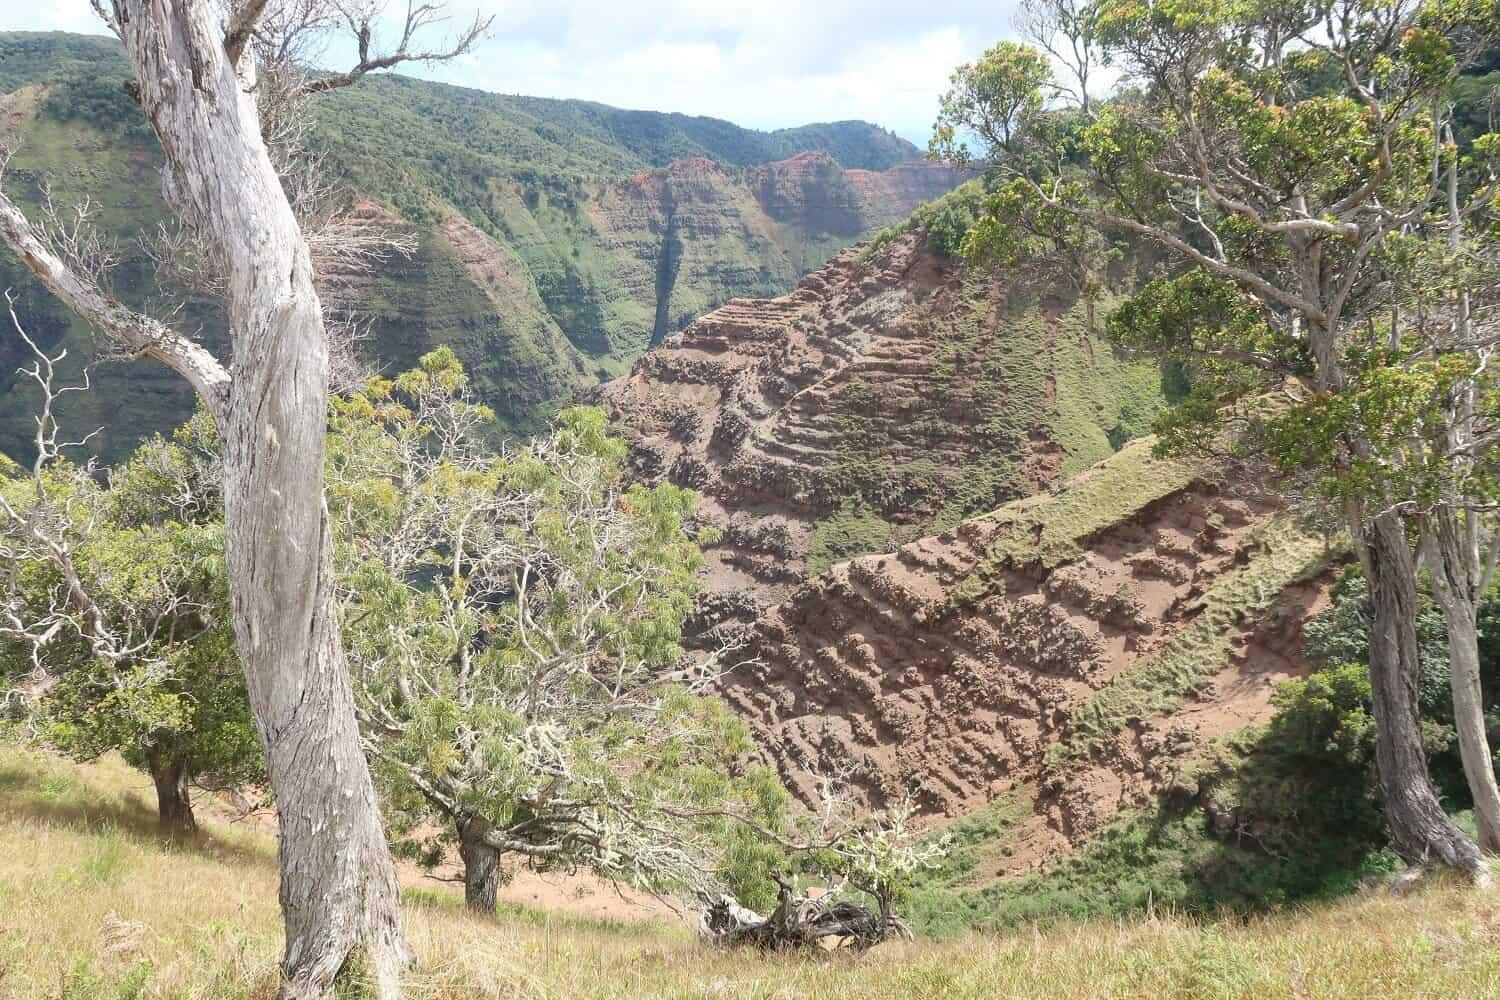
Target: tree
x=1282 y=151
x=515 y=629
x=878 y=861
x=990 y=100
x=146 y=547
x=196 y=68
x=1461 y=548
x=1064 y=29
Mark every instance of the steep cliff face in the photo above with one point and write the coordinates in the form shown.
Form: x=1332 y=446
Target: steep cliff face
x=464 y=289
x=881 y=400
x=1079 y=645
x=1036 y=610
x=557 y=239
x=691 y=235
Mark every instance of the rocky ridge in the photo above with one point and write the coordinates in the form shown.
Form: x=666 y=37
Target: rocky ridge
x=1021 y=601
x=881 y=399
x=1080 y=645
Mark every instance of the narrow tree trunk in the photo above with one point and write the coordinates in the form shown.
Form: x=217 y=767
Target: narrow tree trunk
x=1455 y=570
x=1459 y=573
x=174 y=808
x=1468 y=716
x=481 y=866
x=1420 y=830
x=338 y=884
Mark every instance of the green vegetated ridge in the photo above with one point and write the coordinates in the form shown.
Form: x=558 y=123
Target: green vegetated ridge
x=557 y=239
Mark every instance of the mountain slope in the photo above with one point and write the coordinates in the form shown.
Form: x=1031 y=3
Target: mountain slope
x=948 y=566
x=557 y=239
x=1056 y=645
x=881 y=400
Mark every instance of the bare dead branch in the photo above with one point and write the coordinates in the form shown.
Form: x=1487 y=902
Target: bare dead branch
x=45 y=528
x=138 y=334
x=360 y=17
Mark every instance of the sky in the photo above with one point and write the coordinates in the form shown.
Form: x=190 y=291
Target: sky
x=759 y=63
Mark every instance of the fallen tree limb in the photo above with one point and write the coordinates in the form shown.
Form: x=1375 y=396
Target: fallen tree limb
x=801 y=922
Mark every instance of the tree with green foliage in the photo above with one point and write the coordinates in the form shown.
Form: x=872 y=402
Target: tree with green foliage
x=220 y=84
x=991 y=101
x=515 y=625
x=1340 y=635
x=113 y=599
x=1287 y=155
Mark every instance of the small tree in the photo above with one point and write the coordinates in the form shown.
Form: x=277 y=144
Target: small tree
x=854 y=860
x=514 y=623
x=115 y=592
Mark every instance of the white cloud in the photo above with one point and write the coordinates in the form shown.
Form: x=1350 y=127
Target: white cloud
x=761 y=63
x=50 y=15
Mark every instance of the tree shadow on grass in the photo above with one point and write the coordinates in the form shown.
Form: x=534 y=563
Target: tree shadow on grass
x=66 y=801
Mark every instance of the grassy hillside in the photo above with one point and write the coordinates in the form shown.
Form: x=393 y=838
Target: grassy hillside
x=95 y=907
x=558 y=238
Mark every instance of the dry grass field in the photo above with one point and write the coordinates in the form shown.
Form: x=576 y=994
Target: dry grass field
x=93 y=906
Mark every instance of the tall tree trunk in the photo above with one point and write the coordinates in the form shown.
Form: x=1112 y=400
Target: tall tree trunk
x=174 y=807
x=1420 y=830
x=338 y=884
x=481 y=866
x=1456 y=573
x=1460 y=573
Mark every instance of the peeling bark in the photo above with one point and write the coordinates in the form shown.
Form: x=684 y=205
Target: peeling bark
x=1420 y=830
x=1457 y=581
x=1468 y=717
x=338 y=883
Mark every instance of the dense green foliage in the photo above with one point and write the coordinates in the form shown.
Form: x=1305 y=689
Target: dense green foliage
x=514 y=630
x=148 y=549
x=513 y=622
x=1165 y=860
x=1339 y=637
x=990 y=101
x=944 y=223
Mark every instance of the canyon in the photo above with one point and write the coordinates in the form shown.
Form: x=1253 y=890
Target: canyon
x=555 y=240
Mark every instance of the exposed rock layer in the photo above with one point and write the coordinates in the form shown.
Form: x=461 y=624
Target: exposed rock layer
x=952 y=670
x=1077 y=643
x=881 y=399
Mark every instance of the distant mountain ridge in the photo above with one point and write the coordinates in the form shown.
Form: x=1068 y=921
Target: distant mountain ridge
x=646 y=138
x=556 y=239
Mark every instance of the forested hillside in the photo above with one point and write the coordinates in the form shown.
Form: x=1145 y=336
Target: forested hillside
x=555 y=239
